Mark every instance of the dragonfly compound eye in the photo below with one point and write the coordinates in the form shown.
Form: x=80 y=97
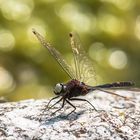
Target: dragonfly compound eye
x=58 y=88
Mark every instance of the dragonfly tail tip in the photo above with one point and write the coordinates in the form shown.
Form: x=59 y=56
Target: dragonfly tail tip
x=70 y=34
x=33 y=30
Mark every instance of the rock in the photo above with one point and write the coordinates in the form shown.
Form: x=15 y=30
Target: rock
x=119 y=119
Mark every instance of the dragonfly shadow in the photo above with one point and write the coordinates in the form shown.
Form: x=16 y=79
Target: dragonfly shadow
x=62 y=117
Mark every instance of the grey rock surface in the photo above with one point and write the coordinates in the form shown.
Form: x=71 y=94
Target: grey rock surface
x=118 y=120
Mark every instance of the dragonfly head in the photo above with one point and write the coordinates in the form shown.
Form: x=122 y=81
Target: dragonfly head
x=59 y=89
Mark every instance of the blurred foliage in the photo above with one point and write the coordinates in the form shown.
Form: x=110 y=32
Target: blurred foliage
x=109 y=31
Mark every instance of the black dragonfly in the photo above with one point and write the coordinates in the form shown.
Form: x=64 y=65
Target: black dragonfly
x=82 y=72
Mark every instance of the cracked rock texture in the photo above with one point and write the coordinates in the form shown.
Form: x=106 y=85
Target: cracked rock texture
x=120 y=119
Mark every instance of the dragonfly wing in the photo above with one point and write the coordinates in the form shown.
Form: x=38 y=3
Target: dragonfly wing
x=56 y=54
x=125 y=88
x=85 y=71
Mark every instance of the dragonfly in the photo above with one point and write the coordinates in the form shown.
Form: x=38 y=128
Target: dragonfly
x=79 y=76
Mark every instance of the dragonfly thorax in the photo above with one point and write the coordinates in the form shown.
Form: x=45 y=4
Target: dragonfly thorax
x=59 y=89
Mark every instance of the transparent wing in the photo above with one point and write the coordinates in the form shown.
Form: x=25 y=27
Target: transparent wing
x=125 y=88
x=124 y=91
x=84 y=69
x=58 y=57
x=111 y=88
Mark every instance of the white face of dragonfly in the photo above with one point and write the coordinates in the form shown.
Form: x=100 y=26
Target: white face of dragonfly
x=59 y=89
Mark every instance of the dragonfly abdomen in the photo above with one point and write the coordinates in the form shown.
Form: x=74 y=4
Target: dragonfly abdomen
x=122 y=84
x=117 y=84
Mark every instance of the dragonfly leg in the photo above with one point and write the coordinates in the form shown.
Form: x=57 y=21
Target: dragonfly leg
x=46 y=107
x=72 y=106
x=60 y=107
x=49 y=103
x=55 y=103
x=79 y=99
x=52 y=99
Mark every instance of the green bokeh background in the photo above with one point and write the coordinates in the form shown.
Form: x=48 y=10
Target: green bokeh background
x=109 y=31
